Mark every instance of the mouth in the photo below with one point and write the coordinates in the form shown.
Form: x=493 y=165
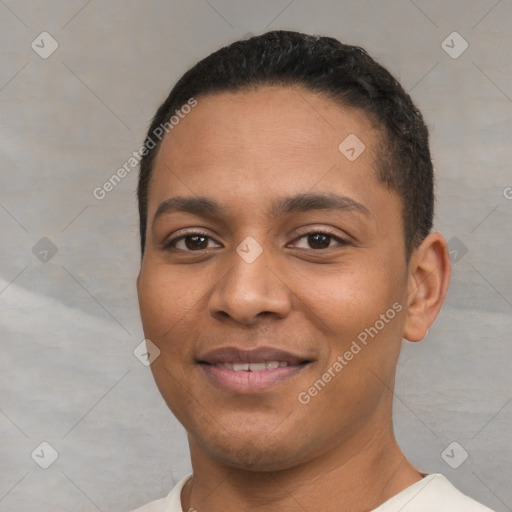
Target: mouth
x=254 y=371
x=253 y=367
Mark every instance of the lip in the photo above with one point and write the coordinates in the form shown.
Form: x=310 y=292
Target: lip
x=250 y=381
x=258 y=355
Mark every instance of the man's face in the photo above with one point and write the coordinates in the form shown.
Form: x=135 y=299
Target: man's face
x=325 y=274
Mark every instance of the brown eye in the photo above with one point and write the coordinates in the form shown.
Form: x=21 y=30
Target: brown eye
x=196 y=242
x=319 y=241
x=193 y=242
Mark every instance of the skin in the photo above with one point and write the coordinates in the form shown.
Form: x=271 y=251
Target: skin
x=268 y=451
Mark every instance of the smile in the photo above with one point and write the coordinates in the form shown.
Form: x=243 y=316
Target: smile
x=253 y=367
x=241 y=371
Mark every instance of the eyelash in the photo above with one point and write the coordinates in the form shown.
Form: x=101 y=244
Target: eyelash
x=171 y=243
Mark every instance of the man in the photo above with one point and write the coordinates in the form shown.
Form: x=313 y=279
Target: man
x=286 y=206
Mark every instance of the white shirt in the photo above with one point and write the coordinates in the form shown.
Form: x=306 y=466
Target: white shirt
x=434 y=493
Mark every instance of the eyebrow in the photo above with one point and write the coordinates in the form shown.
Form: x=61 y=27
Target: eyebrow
x=311 y=201
x=204 y=206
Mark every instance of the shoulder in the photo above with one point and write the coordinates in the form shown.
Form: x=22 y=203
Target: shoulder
x=434 y=493
x=171 y=503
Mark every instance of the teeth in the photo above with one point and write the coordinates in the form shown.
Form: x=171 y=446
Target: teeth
x=239 y=367
x=256 y=367
x=253 y=367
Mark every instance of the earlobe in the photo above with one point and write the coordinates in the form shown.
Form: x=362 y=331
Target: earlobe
x=429 y=276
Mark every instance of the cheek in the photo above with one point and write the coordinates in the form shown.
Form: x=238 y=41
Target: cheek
x=165 y=300
x=343 y=297
x=166 y=303
x=173 y=306
x=361 y=346
x=354 y=302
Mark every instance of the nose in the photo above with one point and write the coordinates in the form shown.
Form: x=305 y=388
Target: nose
x=250 y=291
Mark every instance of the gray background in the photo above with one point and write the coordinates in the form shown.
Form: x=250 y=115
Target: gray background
x=69 y=321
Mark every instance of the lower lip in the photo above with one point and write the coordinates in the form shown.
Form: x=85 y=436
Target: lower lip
x=247 y=381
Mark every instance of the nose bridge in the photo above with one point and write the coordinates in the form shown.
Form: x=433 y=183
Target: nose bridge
x=251 y=267
x=250 y=287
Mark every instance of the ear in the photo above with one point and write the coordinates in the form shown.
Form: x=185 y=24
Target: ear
x=429 y=276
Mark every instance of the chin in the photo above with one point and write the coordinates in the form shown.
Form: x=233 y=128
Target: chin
x=255 y=451
x=255 y=458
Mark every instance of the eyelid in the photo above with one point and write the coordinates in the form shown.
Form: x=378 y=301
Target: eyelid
x=306 y=230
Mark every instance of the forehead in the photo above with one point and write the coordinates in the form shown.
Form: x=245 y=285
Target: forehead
x=291 y=121
x=258 y=144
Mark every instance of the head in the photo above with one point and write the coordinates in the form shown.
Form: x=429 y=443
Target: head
x=285 y=215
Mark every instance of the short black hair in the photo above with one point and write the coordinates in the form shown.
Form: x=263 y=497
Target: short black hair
x=344 y=73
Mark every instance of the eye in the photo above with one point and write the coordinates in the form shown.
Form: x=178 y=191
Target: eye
x=319 y=240
x=191 y=242
x=198 y=241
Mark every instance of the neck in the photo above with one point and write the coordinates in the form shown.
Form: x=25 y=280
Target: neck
x=360 y=474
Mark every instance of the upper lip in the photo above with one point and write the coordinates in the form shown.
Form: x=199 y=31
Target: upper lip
x=259 y=355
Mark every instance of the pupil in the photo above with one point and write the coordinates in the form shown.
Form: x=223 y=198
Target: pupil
x=196 y=242
x=319 y=239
